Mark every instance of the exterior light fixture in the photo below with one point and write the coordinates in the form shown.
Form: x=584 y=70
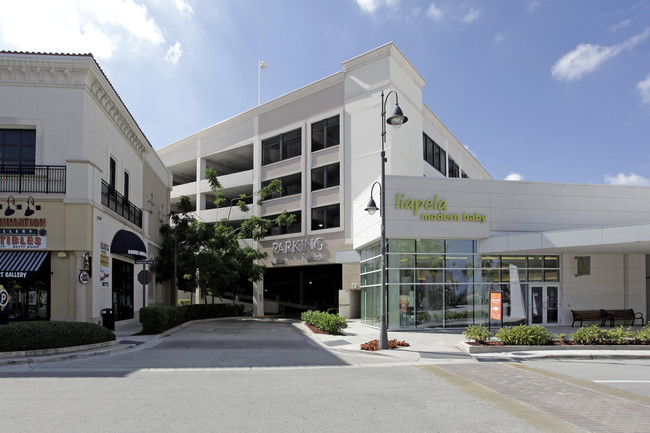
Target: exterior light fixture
x=396 y=119
x=30 y=210
x=9 y=211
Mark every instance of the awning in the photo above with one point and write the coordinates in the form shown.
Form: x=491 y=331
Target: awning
x=129 y=244
x=21 y=264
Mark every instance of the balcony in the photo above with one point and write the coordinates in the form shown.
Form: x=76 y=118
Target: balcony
x=32 y=178
x=116 y=202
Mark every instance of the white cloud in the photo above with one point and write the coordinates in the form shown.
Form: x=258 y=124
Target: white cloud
x=174 y=53
x=586 y=58
x=627 y=179
x=532 y=6
x=76 y=26
x=183 y=7
x=434 y=12
x=621 y=25
x=514 y=176
x=370 y=6
x=498 y=38
x=471 y=16
x=644 y=89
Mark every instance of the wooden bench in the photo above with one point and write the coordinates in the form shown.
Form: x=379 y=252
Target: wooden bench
x=588 y=315
x=628 y=314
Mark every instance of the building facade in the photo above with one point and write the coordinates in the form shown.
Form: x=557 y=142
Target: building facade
x=454 y=233
x=82 y=194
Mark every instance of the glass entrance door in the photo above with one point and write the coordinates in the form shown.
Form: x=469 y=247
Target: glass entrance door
x=544 y=304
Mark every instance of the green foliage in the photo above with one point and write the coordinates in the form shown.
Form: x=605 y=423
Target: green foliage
x=595 y=335
x=328 y=323
x=588 y=335
x=524 y=335
x=561 y=337
x=642 y=336
x=478 y=333
x=158 y=319
x=19 y=336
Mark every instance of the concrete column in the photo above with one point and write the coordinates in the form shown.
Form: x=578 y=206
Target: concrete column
x=80 y=290
x=258 y=299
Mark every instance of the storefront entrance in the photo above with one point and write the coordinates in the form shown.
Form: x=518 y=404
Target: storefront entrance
x=544 y=304
x=122 y=290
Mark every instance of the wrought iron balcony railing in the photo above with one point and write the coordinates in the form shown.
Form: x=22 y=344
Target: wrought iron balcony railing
x=32 y=178
x=117 y=202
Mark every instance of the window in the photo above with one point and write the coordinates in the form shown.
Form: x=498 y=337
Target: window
x=325 y=217
x=126 y=185
x=277 y=230
x=463 y=174
x=291 y=185
x=434 y=155
x=18 y=146
x=454 y=170
x=111 y=173
x=325 y=177
x=325 y=134
x=281 y=147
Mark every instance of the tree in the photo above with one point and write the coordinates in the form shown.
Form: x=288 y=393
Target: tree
x=215 y=257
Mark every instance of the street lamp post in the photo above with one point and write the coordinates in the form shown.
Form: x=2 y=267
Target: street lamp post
x=396 y=119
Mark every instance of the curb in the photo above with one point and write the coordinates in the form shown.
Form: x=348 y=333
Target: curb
x=545 y=352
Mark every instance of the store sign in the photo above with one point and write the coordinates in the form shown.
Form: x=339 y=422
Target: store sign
x=495 y=306
x=104 y=264
x=435 y=209
x=298 y=246
x=23 y=238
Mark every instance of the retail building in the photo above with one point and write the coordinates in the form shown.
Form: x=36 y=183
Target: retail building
x=454 y=233
x=82 y=194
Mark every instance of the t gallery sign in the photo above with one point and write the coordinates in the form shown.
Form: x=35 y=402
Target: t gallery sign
x=435 y=209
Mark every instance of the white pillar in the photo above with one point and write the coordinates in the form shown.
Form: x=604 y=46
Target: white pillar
x=80 y=290
x=258 y=298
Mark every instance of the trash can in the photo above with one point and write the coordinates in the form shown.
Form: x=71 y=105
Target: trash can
x=108 y=318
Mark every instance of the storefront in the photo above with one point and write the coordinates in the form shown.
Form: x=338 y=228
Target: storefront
x=546 y=248
x=24 y=275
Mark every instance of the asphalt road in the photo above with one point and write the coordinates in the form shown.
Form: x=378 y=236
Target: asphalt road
x=250 y=376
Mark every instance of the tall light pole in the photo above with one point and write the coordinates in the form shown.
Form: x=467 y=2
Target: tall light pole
x=396 y=119
x=261 y=65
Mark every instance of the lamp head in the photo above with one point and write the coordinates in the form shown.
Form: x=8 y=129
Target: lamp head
x=398 y=118
x=372 y=206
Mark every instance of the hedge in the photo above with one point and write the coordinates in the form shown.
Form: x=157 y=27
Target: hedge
x=20 y=336
x=328 y=323
x=158 y=319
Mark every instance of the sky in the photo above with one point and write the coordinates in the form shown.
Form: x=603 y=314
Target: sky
x=537 y=90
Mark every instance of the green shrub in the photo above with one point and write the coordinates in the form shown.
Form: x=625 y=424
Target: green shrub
x=561 y=337
x=158 y=319
x=588 y=335
x=524 y=335
x=642 y=336
x=478 y=333
x=19 y=336
x=328 y=323
x=618 y=335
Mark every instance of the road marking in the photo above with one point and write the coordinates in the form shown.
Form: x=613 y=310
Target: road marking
x=622 y=381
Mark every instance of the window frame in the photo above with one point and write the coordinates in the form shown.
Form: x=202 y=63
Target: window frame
x=328 y=125
x=283 y=142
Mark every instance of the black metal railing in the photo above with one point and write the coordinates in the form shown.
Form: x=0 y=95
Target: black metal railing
x=117 y=202
x=32 y=178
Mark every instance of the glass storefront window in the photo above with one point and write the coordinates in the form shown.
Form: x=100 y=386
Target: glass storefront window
x=432 y=286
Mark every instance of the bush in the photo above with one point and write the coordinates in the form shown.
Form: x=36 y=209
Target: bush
x=159 y=319
x=524 y=335
x=642 y=336
x=618 y=335
x=328 y=323
x=20 y=336
x=478 y=333
x=373 y=345
x=588 y=335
